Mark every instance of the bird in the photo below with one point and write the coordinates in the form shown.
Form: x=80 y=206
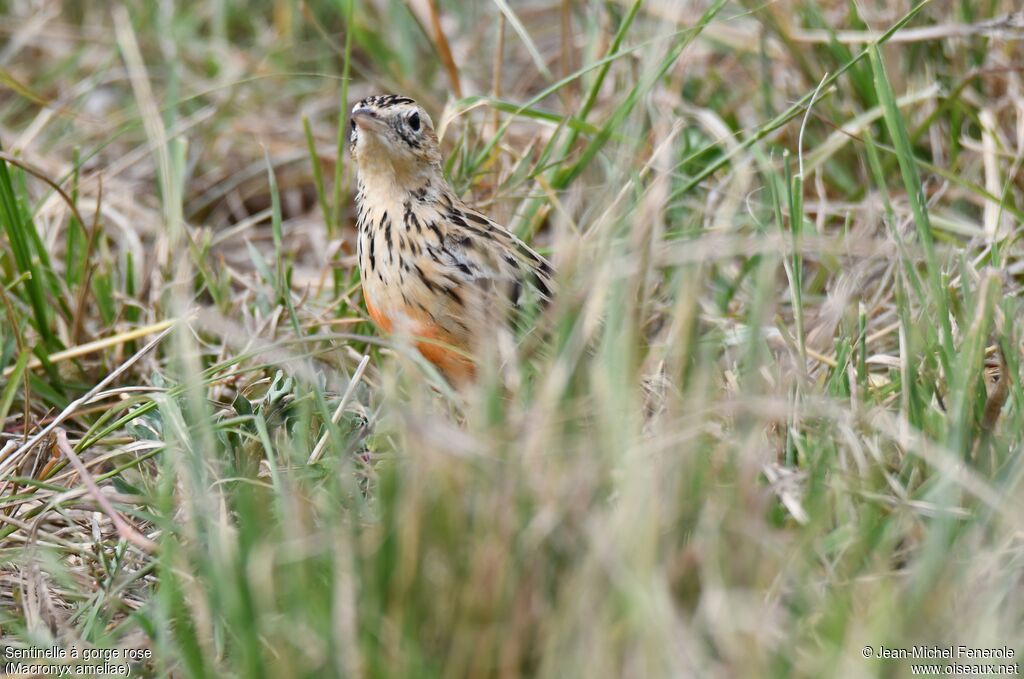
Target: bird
x=432 y=268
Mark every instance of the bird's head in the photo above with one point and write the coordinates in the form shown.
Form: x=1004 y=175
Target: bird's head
x=393 y=135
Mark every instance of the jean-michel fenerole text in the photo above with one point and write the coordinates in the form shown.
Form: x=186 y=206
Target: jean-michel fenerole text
x=952 y=652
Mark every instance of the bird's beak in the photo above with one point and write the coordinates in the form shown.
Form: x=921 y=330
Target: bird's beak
x=366 y=119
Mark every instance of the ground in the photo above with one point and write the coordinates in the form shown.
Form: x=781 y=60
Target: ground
x=771 y=424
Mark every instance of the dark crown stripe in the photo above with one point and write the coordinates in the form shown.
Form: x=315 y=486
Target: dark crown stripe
x=384 y=101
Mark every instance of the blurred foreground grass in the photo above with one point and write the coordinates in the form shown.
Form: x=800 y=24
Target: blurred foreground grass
x=775 y=415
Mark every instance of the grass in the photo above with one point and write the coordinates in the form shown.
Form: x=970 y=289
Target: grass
x=774 y=415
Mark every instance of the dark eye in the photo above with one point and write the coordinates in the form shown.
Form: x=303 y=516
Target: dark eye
x=352 y=124
x=414 y=122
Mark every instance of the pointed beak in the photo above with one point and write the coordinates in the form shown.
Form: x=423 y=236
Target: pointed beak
x=367 y=119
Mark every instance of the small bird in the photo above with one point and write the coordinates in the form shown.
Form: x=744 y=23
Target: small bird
x=432 y=268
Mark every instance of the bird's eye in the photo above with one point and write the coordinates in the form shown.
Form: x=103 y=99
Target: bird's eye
x=414 y=122
x=352 y=124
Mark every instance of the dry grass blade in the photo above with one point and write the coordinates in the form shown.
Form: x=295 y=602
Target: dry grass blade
x=14 y=457
x=127 y=532
x=318 y=450
x=98 y=345
x=1008 y=26
x=443 y=49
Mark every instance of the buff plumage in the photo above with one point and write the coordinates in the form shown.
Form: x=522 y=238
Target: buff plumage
x=432 y=268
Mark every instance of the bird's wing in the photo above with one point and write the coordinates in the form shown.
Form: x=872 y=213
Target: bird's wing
x=477 y=238
x=472 y=271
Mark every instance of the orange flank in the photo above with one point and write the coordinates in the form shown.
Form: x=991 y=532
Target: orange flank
x=383 y=322
x=454 y=365
x=436 y=347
